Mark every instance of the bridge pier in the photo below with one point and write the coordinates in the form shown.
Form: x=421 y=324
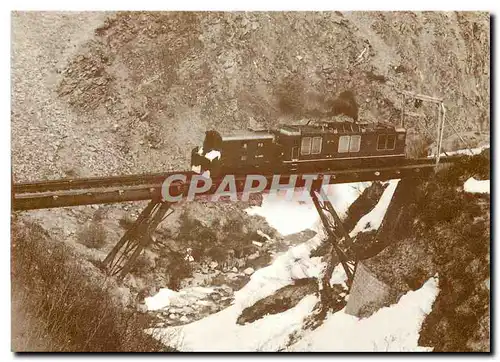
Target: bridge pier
x=122 y=257
x=369 y=291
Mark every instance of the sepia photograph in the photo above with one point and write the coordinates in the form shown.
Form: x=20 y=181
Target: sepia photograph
x=250 y=181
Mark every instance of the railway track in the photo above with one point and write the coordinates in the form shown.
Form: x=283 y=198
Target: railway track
x=132 y=180
x=99 y=190
x=93 y=182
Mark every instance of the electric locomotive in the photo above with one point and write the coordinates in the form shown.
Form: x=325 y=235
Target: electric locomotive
x=312 y=147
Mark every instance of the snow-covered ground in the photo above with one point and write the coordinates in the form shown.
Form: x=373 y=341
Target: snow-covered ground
x=293 y=216
x=395 y=328
x=219 y=332
x=465 y=151
x=166 y=297
x=477 y=186
x=374 y=218
x=298 y=216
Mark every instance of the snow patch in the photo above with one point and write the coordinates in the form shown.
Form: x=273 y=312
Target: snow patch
x=374 y=218
x=167 y=297
x=477 y=186
x=220 y=333
x=298 y=216
x=466 y=151
x=293 y=216
x=395 y=328
x=341 y=196
x=294 y=264
x=338 y=276
x=212 y=155
x=161 y=299
x=264 y=235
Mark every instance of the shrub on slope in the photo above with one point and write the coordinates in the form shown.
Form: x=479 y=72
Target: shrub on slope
x=73 y=307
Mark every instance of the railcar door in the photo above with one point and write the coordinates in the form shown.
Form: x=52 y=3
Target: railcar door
x=295 y=153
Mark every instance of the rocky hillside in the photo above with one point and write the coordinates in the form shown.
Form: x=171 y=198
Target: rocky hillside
x=134 y=92
x=446 y=232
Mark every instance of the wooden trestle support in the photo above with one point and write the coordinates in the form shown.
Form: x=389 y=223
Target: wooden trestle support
x=124 y=254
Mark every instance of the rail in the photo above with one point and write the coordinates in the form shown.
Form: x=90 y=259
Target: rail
x=101 y=190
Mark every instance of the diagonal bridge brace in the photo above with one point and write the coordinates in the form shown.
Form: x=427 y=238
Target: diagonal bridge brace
x=125 y=253
x=338 y=236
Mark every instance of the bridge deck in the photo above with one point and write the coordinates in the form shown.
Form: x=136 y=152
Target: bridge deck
x=100 y=190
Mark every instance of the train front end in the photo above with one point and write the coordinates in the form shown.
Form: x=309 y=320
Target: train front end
x=205 y=160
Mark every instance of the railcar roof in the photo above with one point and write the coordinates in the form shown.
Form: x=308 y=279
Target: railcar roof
x=338 y=127
x=245 y=134
x=314 y=128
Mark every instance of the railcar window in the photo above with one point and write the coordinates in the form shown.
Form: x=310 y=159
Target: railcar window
x=305 y=147
x=391 y=140
x=344 y=144
x=316 y=145
x=386 y=142
x=244 y=145
x=355 y=144
x=260 y=144
x=382 y=139
x=244 y=158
